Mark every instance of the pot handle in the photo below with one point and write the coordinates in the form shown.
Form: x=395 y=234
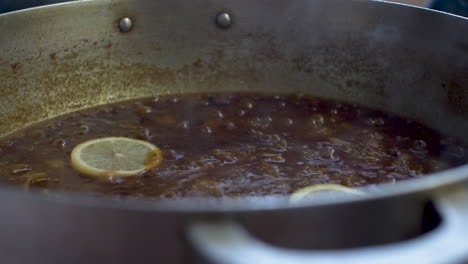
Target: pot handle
x=226 y=241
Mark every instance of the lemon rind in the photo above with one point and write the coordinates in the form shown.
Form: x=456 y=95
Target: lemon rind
x=304 y=192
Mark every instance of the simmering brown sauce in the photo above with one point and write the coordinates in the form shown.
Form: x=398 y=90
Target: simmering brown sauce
x=231 y=145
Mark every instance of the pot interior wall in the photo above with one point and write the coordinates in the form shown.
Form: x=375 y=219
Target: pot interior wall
x=405 y=60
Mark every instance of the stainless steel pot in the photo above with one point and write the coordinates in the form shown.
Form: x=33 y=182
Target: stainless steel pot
x=406 y=60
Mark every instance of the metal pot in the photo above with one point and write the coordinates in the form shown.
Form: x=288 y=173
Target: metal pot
x=401 y=59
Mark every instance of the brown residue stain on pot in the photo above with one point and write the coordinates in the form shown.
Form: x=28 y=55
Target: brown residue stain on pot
x=108 y=46
x=70 y=84
x=72 y=55
x=197 y=64
x=15 y=67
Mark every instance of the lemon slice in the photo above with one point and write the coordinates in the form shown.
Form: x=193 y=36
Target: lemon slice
x=115 y=156
x=303 y=193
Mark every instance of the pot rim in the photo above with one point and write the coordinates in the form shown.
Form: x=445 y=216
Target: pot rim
x=428 y=183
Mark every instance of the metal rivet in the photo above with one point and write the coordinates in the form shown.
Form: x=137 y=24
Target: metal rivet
x=223 y=20
x=125 y=24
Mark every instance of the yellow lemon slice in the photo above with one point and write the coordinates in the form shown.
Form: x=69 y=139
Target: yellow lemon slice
x=115 y=156
x=302 y=193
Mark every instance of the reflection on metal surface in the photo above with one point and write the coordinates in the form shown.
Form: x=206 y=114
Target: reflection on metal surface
x=125 y=24
x=223 y=20
x=412 y=2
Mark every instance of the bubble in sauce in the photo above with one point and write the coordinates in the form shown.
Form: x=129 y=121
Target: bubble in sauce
x=116 y=179
x=280 y=145
x=208 y=130
x=375 y=121
x=247 y=104
x=288 y=122
x=260 y=122
x=60 y=143
x=241 y=112
x=38 y=179
x=174 y=100
x=184 y=124
x=143 y=110
x=419 y=145
x=83 y=130
x=144 y=134
x=316 y=120
x=219 y=114
x=171 y=154
x=273 y=157
x=20 y=168
x=328 y=153
x=230 y=125
x=379 y=121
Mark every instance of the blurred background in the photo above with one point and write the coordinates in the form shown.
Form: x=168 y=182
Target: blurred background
x=12 y=5
x=459 y=7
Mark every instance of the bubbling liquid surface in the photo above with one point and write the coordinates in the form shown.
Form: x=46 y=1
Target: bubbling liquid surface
x=231 y=145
